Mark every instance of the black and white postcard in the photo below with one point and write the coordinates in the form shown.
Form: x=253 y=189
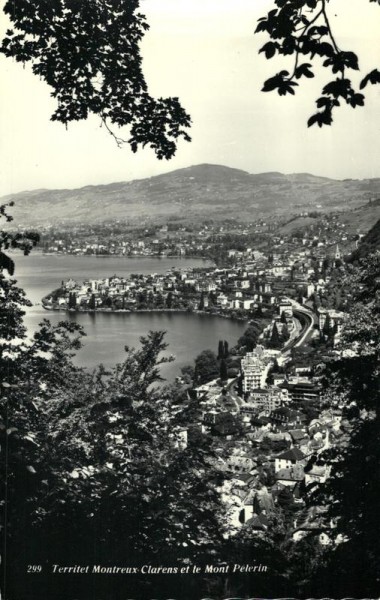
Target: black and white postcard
x=189 y=299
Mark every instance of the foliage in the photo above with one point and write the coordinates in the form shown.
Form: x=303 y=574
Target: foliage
x=95 y=456
x=89 y=53
x=223 y=350
x=117 y=450
x=32 y=369
x=206 y=367
x=21 y=241
x=250 y=336
x=101 y=456
x=285 y=334
x=369 y=244
x=188 y=374
x=223 y=370
x=301 y=29
x=352 y=494
x=269 y=446
x=275 y=340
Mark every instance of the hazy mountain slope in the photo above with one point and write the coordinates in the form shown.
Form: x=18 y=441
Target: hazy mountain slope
x=197 y=192
x=369 y=244
x=361 y=219
x=357 y=220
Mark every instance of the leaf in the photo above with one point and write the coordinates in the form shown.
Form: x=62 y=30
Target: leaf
x=6 y=263
x=350 y=60
x=323 y=101
x=372 y=77
x=289 y=46
x=324 y=49
x=339 y=87
x=320 y=118
x=356 y=100
x=271 y=84
x=318 y=30
x=286 y=87
x=269 y=48
x=304 y=70
x=262 y=26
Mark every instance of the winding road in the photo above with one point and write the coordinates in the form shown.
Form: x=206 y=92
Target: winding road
x=308 y=320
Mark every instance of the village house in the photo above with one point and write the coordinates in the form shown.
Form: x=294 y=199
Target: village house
x=289 y=459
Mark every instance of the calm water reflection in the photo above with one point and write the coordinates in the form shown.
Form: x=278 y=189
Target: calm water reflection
x=108 y=333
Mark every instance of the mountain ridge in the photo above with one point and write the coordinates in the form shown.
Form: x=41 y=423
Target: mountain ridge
x=192 y=193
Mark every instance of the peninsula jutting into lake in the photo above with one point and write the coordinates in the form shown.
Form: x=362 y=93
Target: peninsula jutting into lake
x=253 y=288
x=225 y=292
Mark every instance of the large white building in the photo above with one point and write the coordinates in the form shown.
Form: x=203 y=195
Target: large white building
x=265 y=400
x=255 y=367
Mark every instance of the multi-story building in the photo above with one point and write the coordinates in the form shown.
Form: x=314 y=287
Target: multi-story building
x=255 y=367
x=265 y=400
x=303 y=390
x=255 y=372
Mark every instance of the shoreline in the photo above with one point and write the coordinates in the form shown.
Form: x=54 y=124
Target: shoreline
x=143 y=310
x=127 y=256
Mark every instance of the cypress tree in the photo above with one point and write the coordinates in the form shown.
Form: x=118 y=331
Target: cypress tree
x=275 y=341
x=259 y=311
x=169 y=300
x=285 y=335
x=326 y=330
x=202 y=302
x=223 y=370
x=72 y=300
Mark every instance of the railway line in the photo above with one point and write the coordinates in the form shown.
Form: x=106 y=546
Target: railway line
x=307 y=320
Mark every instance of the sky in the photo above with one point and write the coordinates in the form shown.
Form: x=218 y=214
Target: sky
x=204 y=52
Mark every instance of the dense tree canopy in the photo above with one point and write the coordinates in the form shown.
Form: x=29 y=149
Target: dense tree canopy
x=352 y=494
x=94 y=456
x=206 y=367
x=89 y=54
x=250 y=336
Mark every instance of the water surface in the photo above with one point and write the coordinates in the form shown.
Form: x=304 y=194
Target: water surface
x=108 y=333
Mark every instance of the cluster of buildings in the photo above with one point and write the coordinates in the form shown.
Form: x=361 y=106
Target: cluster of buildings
x=269 y=426
x=312 y=232
x=269 y=448
x=240 y=289
x=203 y=289
x=269 y=429
x=161 y=240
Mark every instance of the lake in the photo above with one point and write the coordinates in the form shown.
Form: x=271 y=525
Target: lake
x=108 y=333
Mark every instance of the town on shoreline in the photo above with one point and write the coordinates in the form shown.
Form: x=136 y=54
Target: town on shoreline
x=261 y=401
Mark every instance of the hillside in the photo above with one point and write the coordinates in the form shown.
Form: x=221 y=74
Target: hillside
x=355 y=220
x=193 y=193
x=361 y=219
x=369 y=244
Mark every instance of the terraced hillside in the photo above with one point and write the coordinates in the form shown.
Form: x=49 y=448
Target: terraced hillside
x=197 y=192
